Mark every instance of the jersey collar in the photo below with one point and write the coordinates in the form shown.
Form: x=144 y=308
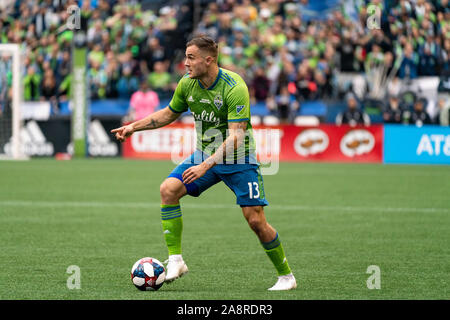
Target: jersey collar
x=215 y=81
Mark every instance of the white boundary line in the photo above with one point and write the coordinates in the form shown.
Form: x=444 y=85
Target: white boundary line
x=146 y=205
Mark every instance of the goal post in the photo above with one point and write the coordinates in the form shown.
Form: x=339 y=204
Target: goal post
x=10 y=120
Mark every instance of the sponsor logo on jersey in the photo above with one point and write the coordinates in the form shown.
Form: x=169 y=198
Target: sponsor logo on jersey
x=218 y=102
x=239 y=108
x=205 y=101
x=190 y=99
x=207 y=117
x=357 y=142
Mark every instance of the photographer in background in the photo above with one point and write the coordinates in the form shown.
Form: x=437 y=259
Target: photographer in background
x=419 y=116
x=393 y=112
x=444 y=110
x=353 y=115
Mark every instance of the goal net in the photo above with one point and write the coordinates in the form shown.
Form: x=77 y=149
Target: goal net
x=10 y=99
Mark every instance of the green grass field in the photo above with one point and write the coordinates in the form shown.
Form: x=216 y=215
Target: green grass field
x=334 y=220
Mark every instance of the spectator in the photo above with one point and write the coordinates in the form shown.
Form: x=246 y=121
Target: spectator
x=352 y=116
x=151 y=53
x=96 y=56
x=209 y=25
x=324 y=89
x=287 y=106
x=442 y=54
x=5 y=73
x=428 y=63
x=394 y=87
x=31 y=85
x=112 y=71
x=377 y=39
x=444 y=110
x=442 y=6
x=410 y=62
x=167 y=20
x=160 y=80
x=97 y=81
x=52 y=59
x=266 y=34
x=306 y=87
x=393 y=112
x=64 y=66
x=419 y=116
x=260 y=85
x=49 y=90
x=143 y=102
x=127 y=84
x=94 y=33
x=346 y=49
x=42 y=20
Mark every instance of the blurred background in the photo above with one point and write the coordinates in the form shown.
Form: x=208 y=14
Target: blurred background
x=338 y=89
x=305 y=62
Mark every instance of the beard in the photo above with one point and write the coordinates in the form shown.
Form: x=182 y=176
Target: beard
x=197 y=73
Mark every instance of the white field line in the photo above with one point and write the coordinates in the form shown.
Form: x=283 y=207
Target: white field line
x=146 y=205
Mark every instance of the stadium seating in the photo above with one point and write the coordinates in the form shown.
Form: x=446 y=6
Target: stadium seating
x=314 y=42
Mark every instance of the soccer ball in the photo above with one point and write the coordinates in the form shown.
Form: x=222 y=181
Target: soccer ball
x=148 y=274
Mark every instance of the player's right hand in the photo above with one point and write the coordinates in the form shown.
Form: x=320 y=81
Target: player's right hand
x=123 y=132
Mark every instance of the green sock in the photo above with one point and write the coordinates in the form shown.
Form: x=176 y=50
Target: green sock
x=172 y=223
x=275 y=252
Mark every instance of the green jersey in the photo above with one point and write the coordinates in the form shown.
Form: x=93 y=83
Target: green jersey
x=226 y=100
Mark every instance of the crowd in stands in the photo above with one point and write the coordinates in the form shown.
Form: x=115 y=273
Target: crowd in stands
x=284 y=57
x=127 y=45
x=279 y=52
x=396 y=112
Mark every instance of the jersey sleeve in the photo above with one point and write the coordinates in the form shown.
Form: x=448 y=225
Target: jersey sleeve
x=178 y=103
x=238 y=103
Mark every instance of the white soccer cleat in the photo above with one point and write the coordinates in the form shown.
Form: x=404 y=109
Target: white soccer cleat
x=175 y=268
x=286 y=282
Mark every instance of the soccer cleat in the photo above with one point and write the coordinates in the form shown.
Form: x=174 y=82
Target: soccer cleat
x=175 y=269
x=286 y=282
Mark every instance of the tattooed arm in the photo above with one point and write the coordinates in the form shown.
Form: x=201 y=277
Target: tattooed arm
x=236 y=136
x=155 y=120
x=234 y=140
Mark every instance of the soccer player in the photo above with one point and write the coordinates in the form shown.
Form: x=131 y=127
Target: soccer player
x=219 y=101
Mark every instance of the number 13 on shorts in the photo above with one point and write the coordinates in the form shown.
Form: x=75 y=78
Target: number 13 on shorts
x=253 y=190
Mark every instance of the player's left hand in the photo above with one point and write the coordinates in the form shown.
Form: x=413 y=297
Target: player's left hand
x=193 y=173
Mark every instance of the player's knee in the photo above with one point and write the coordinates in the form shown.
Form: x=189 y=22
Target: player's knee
x=169 y=192
x=256 y=220
x=255 y=224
